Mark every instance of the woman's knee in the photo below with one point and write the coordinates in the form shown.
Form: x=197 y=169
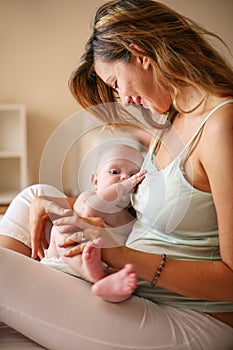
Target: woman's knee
x=40 y=190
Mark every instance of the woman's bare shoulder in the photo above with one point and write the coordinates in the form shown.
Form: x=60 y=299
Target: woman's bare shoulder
x=216 y=142
x=218 y=128
x=221 y=119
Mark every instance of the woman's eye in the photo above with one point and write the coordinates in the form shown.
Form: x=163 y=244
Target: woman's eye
x=114 y=85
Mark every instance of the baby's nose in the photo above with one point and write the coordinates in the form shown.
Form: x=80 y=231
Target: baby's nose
x=124 y=176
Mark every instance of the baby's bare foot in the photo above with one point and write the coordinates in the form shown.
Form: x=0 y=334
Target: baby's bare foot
x=91 y=260
x=121 y=283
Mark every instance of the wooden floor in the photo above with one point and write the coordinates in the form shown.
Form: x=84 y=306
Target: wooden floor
x=3 y=208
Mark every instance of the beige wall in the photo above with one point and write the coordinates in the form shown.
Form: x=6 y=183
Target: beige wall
x=41 y=42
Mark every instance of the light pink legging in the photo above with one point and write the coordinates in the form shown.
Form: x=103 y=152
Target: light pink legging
x=59 y=312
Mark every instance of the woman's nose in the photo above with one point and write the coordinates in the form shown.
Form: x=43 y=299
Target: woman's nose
x=126 y=100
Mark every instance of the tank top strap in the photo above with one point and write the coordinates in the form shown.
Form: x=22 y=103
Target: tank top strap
x=156 y=140
x=191 y=142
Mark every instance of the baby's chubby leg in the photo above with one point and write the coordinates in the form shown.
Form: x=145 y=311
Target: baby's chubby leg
x=54 y=249
x=91 y=260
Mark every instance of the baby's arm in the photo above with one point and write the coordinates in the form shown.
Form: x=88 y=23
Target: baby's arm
x=110 y=199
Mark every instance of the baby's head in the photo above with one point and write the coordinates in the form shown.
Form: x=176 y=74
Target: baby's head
x=116 y=163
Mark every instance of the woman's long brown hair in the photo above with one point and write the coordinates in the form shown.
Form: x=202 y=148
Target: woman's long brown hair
x=178 y=48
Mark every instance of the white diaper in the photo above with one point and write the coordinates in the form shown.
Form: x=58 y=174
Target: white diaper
x=58 y=264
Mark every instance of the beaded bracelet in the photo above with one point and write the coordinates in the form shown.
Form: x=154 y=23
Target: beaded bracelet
x=159 y=270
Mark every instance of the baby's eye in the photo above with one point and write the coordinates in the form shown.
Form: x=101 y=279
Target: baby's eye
x=113 y=172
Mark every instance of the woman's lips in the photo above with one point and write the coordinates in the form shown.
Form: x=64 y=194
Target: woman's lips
x=140 y=102
x=137 y=100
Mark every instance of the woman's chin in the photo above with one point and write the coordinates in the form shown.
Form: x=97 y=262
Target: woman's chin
x=153 y=110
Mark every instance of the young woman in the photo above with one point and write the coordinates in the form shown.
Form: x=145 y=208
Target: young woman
x=181 y=245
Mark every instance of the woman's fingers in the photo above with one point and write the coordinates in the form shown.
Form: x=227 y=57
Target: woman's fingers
x=38 y=247
x=86 y=229
x=75 y=250
x=67 y=243
x=38 y=239
x=78 y=249
x=55 y=210
x=69 y=224
x=41 y=210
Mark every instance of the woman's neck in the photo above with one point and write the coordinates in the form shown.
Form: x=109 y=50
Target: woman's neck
x=190 y=99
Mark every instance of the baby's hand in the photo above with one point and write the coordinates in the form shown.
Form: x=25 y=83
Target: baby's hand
x=130 y=185
x=137 y=179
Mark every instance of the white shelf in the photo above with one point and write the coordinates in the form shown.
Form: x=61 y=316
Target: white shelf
x=13 y=151
x=10 y=154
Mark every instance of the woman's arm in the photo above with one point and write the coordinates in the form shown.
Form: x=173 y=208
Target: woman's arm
x=199 y=279
x=196 y=279
x=204 y=280
x=217 y=160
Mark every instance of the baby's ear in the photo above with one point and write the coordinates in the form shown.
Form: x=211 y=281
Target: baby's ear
x=94 y=180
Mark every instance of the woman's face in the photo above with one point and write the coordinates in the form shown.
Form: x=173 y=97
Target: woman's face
x=134 y=82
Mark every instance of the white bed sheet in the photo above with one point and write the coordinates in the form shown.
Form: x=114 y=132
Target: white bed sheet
x=10 y=339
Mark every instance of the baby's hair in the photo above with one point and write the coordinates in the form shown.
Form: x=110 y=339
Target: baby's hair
x=119 y=151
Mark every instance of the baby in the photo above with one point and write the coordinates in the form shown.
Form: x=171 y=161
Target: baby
x=117 y=177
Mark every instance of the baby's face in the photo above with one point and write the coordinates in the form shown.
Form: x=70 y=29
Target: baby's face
x=113 y=172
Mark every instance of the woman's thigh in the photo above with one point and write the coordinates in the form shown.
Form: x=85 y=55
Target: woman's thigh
x=58 y=311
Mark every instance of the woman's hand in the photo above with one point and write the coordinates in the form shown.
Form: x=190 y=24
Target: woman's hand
x=75 y=249
x=84 y=229
x=41 y=212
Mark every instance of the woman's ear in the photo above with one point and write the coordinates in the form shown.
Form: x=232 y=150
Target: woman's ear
x=94 y=180
x=140 y=56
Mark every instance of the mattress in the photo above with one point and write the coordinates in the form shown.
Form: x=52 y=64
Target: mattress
x=10 y=339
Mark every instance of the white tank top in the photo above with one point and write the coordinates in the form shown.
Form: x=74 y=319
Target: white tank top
x=173 y=217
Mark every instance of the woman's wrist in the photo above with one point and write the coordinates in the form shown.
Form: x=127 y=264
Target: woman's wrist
x=145 y=264
x=114 y=256
x=37 y=208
